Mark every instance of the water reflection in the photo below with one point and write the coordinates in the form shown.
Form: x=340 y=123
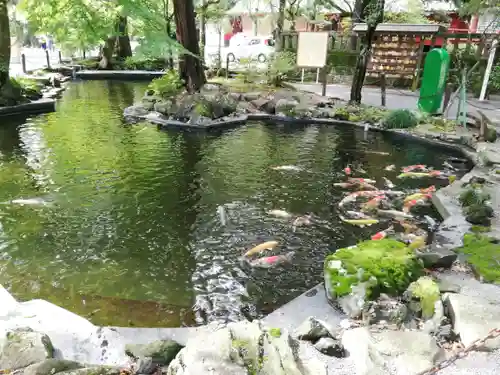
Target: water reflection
x=133 y=236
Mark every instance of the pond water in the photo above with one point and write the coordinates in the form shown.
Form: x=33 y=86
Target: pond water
x=129 y=232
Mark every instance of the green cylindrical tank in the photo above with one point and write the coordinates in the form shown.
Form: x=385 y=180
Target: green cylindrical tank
x=437 y=63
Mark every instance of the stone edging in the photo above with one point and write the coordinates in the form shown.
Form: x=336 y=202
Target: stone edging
x=43 y=105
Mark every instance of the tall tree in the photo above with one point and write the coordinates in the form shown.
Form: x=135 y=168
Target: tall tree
x=4 y=44
x=373 y=14
x=190 y=65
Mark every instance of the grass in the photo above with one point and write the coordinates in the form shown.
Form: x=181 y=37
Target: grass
x=236 y=85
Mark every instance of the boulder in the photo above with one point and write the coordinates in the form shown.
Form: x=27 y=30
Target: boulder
x=135 y=111
x=244 y=348
x=24 y=347
x=51 y=366
x=251 y=96
x=95 y=370
x=331 y=347
x=473 y=318
x=313 y=329
x=161 y=352
x=385 y=310
x=166 y=107
x=436 y=257
x=7 y=302
x=285 y=106
x=404 y=352
x=362 y=272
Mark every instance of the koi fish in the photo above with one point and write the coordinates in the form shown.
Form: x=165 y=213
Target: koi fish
x=394 y=214
x=408 y=205
x=417 y=196
x=280 y=213
x=361 y=180
x=416 y=167
x=269 y=245
x=419 y=174
x=382 y=234
x=390 y=167
x=344 y=185
x=353 y=196
x=373 y=203
x=408 y=227
x=356 y=215
x=272 y=261
x=347 y=171
x=388 y=183
x=360 y=222
x=301 y=221
x=430 y=189
x=290 y=168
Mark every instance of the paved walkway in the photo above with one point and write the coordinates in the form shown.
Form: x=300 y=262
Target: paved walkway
x=396 y=99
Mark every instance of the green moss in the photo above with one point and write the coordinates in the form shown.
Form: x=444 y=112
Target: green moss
x=341 y=114
x=52 y=366
x=238 y=344
x=472 y=196
x=484 y=255
x=400 y=119
x=275 y=332
x=386 y=266
x=480 y=229
x=203 y=109
x=479 y=214
x=427 y=291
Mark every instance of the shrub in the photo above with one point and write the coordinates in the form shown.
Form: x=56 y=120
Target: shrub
x=250 y=73
x=168 y=85
x=400 y=119
x=427 y=291
x=147 y=63
x=495 y=77
x=473 y=196
x=280 y=66
x=479 y=214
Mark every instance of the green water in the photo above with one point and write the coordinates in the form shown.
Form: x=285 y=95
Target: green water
x=130 y=234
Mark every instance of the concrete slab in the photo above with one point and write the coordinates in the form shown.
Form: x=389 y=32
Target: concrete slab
x=36 y=107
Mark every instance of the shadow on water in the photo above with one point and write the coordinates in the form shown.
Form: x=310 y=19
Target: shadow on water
x=132 y=232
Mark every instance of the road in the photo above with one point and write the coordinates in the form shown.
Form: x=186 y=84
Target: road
x=396 y=99
x=35 y=59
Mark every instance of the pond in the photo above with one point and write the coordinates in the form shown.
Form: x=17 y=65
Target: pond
x=122 y=222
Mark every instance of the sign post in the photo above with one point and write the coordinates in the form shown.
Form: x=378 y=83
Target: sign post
x=437 y=63
x=312 y=52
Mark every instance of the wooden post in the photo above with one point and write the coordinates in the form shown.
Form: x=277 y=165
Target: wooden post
x=47 y=57
x=382 y=89
x=23 y=62
x=447 y=95
x=324 y=80
x=227 y=66
x=60 y=57
x=420 y=58
x=84 y=55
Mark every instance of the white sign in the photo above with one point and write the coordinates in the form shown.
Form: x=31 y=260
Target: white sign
x=312 y=49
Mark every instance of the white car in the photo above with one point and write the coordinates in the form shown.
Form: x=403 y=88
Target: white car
x=256 y=48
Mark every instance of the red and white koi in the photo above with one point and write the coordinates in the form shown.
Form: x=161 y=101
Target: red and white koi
x=394 y=214
x=353 y=196
x=417 y=196
x=273 y=260
x=416 y=167
x=382 y=234
x=391 y=167
x=373 y=203
x=430 y=189
x=360 y=222
x=420 y=174
x=347 y=171
x=361 y=180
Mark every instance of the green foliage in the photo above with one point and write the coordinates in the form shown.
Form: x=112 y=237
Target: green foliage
x=280 y=65
x=495 y=77
x=472 y=196
x=168 y=85
x=479 y=214
x=483 y=253
x=400 y=119
x=89 y=64
x=386 y=266
x=275 y=332
x=479 y=229
x=146 y=63
x=427 y=291
x=249 y=73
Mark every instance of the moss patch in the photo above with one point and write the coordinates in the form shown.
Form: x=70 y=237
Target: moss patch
x=484 y=255
x=386 y=266
x=275 y=332
x=427 y=291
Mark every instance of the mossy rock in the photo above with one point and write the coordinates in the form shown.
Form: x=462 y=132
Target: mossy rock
x=400 y=119
x=341 y=114
x=483 y=254
x=51 y=366
x=490 y=134
x=162 y=352
x=479 y=214
x=386 y=266
x=426 y=290
x=23 y=347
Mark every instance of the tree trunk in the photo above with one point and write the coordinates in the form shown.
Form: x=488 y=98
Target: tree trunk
x=279 y=26
x=356 y=18
x=107 y=53
x=203 y=31
x=4 y=43
x=123 y=48
x=374 y=16
x=190 y=67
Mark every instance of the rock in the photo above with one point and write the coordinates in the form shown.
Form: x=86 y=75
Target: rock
x=448 y=287
x=385 y=309
x=244 y=348
x=244 y=107
x=433 y=324
x=331 y=347
x=7 y=302
x=146 y=366
x=261 y=104
x=166 y=107
x=235 y=96
x=97 y=370
x=251 y=96
x=436 y=257
x=51 y=366
x=161 y=352
x=404 y=352
x=473 y=318
x=351 y=272
x=313 y=329
x=426 y=291
x=24 y=347
x=135 y=111
x=285 y=106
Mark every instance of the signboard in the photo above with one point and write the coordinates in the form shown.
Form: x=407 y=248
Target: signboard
x=434 y=78
x=312 y=49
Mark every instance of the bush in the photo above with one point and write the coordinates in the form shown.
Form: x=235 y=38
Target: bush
x=400 y=119
x=147 y=63
x=495 y=77
x=473 y=196
x=479 y=214
x=250 y=73
x=280 y=66
x=168 y=85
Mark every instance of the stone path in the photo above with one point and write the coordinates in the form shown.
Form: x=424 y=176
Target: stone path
x=397 y=99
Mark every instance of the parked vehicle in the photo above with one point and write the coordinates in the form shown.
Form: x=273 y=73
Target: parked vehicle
x=249 y=47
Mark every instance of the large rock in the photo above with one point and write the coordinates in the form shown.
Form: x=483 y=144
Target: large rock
x=285 y=106
x=313 y=329
x=371 y=267
x=473 y=318
x=51 y=366
x=385 y=310
x=391 y=352
x=23 y=347
x=162 y=352
x=135 y=111
x=7 y=303
x=436 y=256
x=243 y=348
